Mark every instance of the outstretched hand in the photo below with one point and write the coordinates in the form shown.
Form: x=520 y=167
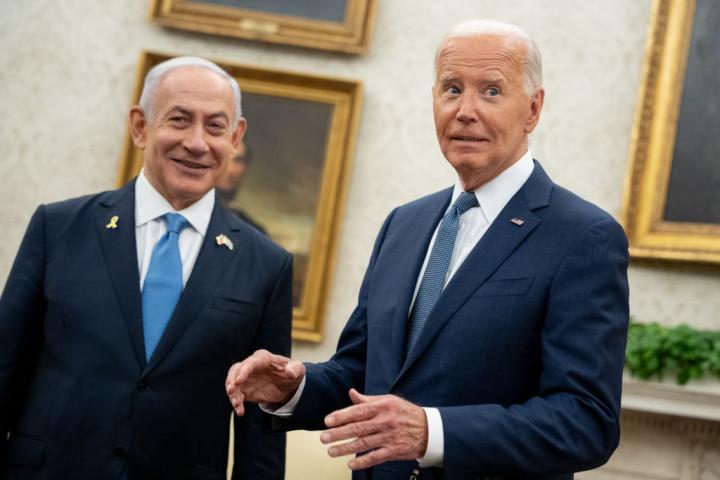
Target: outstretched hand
x=381 y=428
x=263 y=378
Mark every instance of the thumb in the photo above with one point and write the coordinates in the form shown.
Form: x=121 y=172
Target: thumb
x=358 y=397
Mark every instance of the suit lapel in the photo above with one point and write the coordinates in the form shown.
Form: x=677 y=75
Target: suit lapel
x=498 y=243
x=416 y=235
x=209 y=267
x=120 y=252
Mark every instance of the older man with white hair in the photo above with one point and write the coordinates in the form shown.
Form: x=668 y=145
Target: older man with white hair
x=489 y=333
x=124 y=309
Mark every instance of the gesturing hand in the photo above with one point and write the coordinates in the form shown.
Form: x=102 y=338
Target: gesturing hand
x=263 y=378
x=386 y=427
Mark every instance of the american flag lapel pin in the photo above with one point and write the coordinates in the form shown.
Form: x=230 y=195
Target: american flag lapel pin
x=222 y=239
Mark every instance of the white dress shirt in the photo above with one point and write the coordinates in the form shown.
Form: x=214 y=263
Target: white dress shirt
x=492 y=198
x=150 y=207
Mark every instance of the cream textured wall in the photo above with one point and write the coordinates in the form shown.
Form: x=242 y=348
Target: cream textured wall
x=66 y=75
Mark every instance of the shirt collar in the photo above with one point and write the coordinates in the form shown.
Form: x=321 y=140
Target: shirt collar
x=150 y=204
x=494 y=195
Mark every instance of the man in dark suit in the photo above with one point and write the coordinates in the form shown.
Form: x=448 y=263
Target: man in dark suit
x=124 y=309
x=490 y=327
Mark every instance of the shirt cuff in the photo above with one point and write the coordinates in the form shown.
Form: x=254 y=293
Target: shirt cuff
x=436 y=444
x=289 y=408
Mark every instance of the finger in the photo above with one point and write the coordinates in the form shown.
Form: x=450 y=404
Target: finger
x=358 y=397
x=352 y=430
x=232 y=371
x=370 y=459
x=230 y=380
x=238 y=404
x=353 y=413
x=359 y=445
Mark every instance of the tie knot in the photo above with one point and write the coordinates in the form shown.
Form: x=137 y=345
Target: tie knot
x=465 y=202
x=175 y=222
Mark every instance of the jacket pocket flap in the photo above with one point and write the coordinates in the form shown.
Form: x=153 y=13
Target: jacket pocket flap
x=506 y=286
x=26 y=451
x=234 y=305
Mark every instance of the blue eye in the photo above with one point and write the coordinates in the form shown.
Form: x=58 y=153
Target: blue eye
x=493 y=92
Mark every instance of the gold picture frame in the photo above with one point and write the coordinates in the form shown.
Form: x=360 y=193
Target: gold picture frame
x=666 y=213
x=303 y=129
x=288 y=22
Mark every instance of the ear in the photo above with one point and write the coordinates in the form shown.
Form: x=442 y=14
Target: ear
x=536 y=105
x=239 y=133
x=138 y=126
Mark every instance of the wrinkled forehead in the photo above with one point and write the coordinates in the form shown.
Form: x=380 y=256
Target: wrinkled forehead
x=486 y=51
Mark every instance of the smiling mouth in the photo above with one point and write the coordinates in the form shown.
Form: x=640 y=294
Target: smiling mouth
x=190 y=164
x=464 y=138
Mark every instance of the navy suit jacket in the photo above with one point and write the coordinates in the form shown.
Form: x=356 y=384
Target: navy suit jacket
x=76 y=393
x=523 y=352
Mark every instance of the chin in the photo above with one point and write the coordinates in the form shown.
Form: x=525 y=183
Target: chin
x=469 y=164
x=192 y=190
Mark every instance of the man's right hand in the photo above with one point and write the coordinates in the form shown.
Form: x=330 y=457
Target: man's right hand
x=263 y=378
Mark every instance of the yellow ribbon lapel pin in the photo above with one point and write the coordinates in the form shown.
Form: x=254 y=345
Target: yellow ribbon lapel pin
x=113 y=223
x=222 y=239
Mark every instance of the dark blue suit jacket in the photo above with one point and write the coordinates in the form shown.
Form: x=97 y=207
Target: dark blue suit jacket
x=76 y=393
x=523 y=352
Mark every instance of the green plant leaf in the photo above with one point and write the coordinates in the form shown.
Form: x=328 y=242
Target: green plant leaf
x=653 y=350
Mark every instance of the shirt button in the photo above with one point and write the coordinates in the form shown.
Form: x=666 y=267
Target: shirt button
x=119 y=453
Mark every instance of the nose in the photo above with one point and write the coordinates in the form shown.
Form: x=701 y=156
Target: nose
x=195 y=141
x=467 y=111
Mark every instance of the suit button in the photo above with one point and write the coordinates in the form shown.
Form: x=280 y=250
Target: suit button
x=142 y=386
x=119 y=453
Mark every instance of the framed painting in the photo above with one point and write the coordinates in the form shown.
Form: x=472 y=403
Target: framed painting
x=339 y=25
x=672 y=192
x=290 y=175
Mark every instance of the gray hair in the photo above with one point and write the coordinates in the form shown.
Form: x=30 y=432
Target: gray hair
x=153 y=77
x=532 y=78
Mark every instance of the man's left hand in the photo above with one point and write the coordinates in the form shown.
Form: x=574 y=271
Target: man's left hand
x=383 y=428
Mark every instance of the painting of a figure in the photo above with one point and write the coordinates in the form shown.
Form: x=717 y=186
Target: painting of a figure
x=281 y=163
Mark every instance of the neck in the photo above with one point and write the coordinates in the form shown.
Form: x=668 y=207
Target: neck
x=472 y=179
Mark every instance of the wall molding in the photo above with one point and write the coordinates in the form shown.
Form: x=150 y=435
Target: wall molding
x=697 y=399
x=693 y=428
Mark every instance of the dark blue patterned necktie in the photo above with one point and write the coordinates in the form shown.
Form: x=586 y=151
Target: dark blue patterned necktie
x=434 y=277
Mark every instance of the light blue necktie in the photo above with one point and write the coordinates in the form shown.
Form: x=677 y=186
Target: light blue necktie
x=434 y=277
x=163 y=283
